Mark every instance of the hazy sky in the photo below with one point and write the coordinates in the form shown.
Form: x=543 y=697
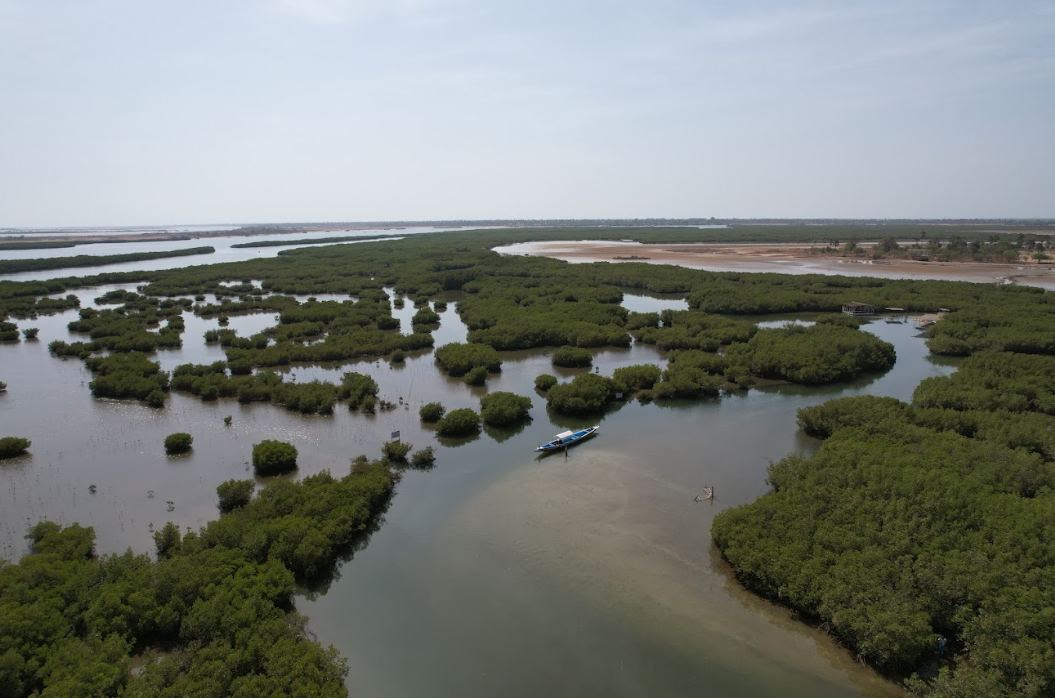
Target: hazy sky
x=120 y=112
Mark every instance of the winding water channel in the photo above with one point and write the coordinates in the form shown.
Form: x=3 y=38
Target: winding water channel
x=496 y=572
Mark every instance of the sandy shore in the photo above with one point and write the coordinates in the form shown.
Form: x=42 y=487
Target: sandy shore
x=785 y=259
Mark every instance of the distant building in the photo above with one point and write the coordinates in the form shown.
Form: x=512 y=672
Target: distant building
x=854 y=308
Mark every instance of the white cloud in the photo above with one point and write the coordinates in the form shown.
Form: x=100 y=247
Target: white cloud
x=344 y=11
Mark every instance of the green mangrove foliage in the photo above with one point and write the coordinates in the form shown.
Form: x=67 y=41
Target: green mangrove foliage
x=271 y=457
x=892 y=535
x=212 y=616
x=513 y=313
x=178 y=442
x=690 y=374
x=11 y=446
x=686 y=329
x=11 y=266
x=458 y=359
x=476 y=376
x=233 y=494
x=814 y=355
x=460 y=422
x=860 y=412
x=423 y=458
x=431 y=412
x=919 y=521
x=1023 y=327
x=8 y=332
x=544 y=382
x=311 y=241
x=128 y=375
x=396 y=451
x=517 y=302
x=572 y=357
x=503 y=409
x=425 y=316
x=994 y=381
x=315 y=397
x=357 y=389
x=586 y=394
x=638 y=377
x=896 y=536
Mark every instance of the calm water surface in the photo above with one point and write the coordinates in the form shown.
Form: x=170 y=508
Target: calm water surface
x=223 y=244
x=496 y=572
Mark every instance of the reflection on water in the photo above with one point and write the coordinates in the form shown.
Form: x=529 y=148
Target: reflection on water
x=639 y=302
x=589 y=573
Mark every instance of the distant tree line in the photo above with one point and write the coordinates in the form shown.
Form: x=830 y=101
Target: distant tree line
x=12 y=266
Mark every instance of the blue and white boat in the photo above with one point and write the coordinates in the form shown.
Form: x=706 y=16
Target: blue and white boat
x=567 y=438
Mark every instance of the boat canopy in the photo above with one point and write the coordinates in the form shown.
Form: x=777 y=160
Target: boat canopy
x=564 y=435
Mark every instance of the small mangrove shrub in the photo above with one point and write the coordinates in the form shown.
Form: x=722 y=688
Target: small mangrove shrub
x=396 y=451
x=572 y=357
x=272 y=457
x=501 y=409
x=544 y=382
x=179 y=442
x=477 y=376
x=432 y=412
x=460 y=422
x=234 y=494
x=11 y=446
x=458 y=359
x=423 y=458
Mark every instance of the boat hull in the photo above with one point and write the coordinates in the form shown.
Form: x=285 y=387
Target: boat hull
x=573 y=439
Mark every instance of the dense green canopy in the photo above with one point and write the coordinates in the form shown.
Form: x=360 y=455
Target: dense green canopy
x=919 y=521
x=213 y=616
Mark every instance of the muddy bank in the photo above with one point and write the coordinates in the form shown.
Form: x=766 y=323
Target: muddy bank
x=785 y=259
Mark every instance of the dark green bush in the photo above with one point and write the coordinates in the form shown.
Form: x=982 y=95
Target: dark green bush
x=234 y=494
x=544 y=382
x=240 y=367
x=586 y=394
x=11 y=446
x=396 y=450
x=459 y=359
x=272 y=457
x=500 y=409
x=460 y=422
x=639 y=377
x=423 y=458
x=572 y=357
x=431 y=412
x=425 y=316
x=179 y=442
x=8 y=332
x=357 y=388
x=476 y=376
